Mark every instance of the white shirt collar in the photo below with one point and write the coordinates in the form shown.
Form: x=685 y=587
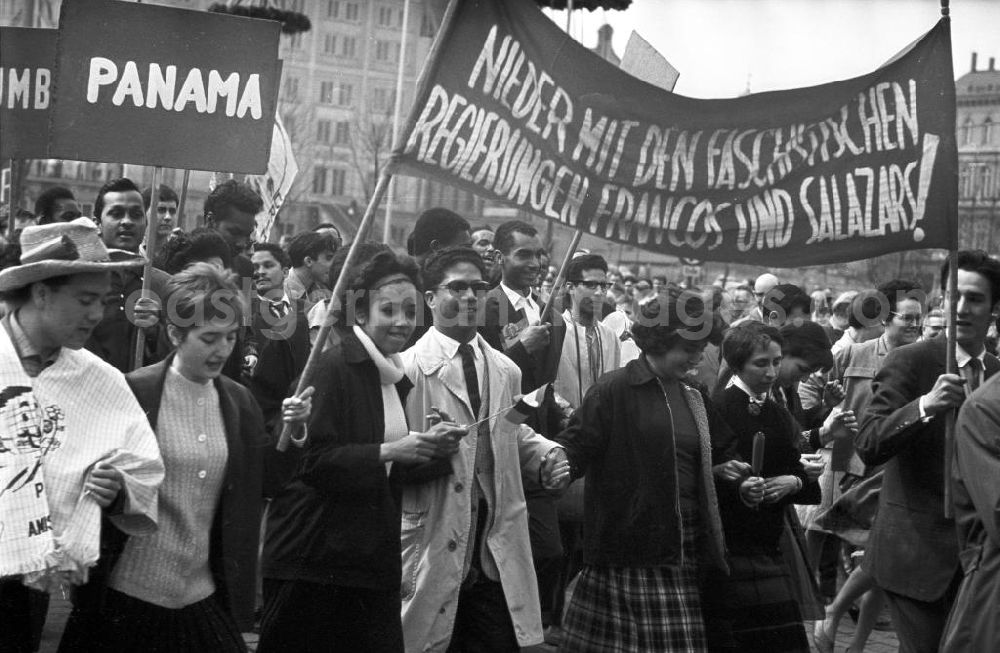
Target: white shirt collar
x=738 y=382
x=517 y=298
x=449 y=346
x=962 y=357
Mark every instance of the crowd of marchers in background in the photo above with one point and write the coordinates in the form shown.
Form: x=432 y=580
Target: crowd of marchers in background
x=483 y=461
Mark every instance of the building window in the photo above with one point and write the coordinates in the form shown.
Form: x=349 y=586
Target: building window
x=323 y=131
x=333 y=9
x=295 y=41
x=967 y=130
x=349 y=47
x=330 y=44
x=326 y=92
x=988 y=131
x=319 y=180
x=346 y=95
x=289 y=122
x=337 y=178
x=342 y=133
x=381 y=99
x=291 y=88
x=386 y=51
x=390 y=17
x=352 y=11
x=428 y=28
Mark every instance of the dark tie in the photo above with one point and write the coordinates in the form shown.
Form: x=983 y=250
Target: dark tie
x=278 y=309
x=971 y=372
x=471 y=378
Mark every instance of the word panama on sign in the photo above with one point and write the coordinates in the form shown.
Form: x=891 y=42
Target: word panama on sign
x=159 y=89
x=177 y=88
x=26 y=59
x=835 y=172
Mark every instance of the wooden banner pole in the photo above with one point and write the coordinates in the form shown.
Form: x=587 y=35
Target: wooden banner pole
x=561 y=277
x=183 y=200
x=11 y=201
x=338 y=289
x=152 y=218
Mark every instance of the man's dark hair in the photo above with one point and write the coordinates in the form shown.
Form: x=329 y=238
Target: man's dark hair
x=976 y=260
x=438 y=224
x=503 y=240
x=576 y=267
x=437 y=264
x=182 y=249
x=900 y=289
x=46 y=203
x=311 y=244
x=279 y=254
x=167 y=194
x=232 y=193
x=114 y=186
x=868 y=308
x=786 y=297
x=741 y=342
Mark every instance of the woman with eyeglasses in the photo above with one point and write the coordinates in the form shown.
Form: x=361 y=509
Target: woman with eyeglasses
x=649 y=446
x=331 y=563
x=756 y=607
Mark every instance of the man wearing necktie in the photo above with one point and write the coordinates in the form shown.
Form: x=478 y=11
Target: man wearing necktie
x=468 y=582
x=913 y=552
x=280 y=331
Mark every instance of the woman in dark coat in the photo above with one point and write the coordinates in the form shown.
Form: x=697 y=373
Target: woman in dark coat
x=331 y=564
x=189 y=586
x=755 y=607
x=647 y=442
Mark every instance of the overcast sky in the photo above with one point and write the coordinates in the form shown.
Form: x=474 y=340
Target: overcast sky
x=717 y=44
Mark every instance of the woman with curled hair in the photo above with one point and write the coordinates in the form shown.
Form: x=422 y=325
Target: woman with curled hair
x=331 y=565
x=650 y=446
x=190 y=585
x=755 y=608
x=202 y=244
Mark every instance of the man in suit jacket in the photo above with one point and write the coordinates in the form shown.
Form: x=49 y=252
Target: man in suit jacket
x=280 y=330
x=513 y=324
x=913 y=552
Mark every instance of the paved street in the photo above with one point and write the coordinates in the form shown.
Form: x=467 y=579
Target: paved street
x=879 y=642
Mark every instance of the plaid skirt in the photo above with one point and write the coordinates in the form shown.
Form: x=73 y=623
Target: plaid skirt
x=638 y=609
x=755 y=607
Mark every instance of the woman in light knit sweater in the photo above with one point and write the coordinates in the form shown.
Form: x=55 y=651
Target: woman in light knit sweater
x=189 y=586
x=332 y=566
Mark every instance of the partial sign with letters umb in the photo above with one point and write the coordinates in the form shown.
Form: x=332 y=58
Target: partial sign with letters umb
x=26 y=59
x=144 y=84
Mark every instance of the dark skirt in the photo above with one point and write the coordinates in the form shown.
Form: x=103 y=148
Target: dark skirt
x=128 y=625
x=754 y=608
x=638 y=609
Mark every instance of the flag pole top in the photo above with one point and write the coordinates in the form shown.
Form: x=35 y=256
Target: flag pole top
x=944 y=8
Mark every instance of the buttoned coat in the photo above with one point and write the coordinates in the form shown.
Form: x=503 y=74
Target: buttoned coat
x=974 y=623
x=437 y=513
x=912 y=549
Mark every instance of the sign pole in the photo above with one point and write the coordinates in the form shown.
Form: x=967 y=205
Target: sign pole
x=184 y=194
x=311 y=364
x=397 y=105
x=11 y=202
x=561 y=277
x=951 y=365
x=152 y=218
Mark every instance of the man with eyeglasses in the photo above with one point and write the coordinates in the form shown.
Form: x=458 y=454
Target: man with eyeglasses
x=899 y=304
x=121 y=219
x=467 y=576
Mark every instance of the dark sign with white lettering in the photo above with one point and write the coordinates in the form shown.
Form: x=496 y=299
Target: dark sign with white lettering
x=140 y=83
x=513 y=109
x=26 y=59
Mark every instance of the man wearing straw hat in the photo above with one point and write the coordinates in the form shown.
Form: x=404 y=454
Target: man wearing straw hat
x=74 y=443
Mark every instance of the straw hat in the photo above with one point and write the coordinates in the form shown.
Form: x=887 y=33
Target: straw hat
x=61 y=248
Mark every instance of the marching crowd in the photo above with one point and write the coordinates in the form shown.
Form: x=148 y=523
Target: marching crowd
x=482 y=461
